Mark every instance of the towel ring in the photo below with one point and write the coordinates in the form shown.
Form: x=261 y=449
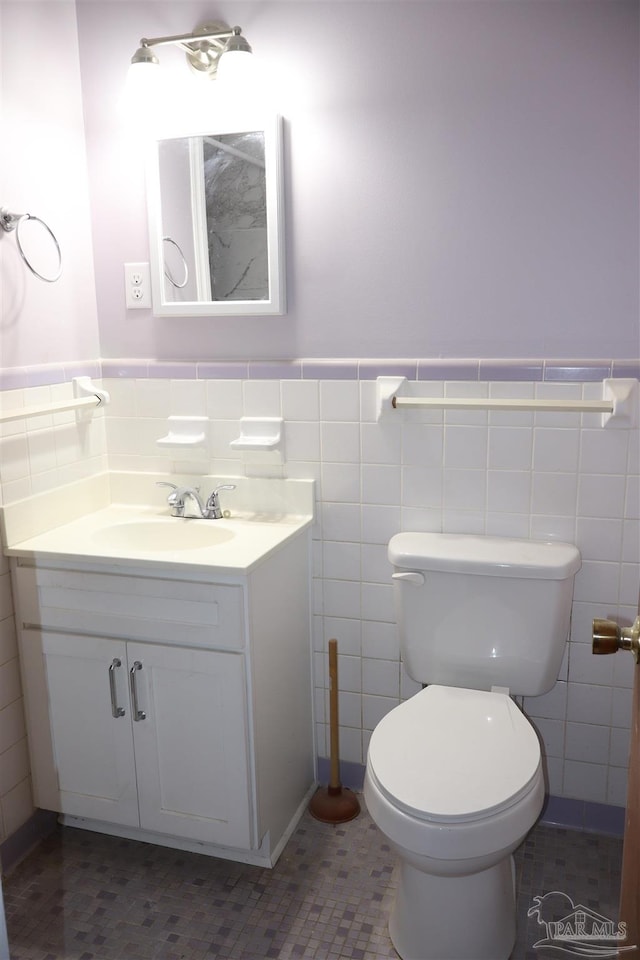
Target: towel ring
x=13 y=221
x=167 y=272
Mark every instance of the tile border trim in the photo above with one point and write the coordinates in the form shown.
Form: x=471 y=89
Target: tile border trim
x=584 y=815
x=557 y=371
x=20 y=843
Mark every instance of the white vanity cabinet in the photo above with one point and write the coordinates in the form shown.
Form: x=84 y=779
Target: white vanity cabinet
x=148 y=735
x=162 y=705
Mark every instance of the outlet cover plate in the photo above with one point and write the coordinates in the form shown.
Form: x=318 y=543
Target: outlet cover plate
x=137 y=286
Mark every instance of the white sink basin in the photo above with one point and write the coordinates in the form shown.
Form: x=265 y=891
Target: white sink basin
x=161 y=533
x=134 y=534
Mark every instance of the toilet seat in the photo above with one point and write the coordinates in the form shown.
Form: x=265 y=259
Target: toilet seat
x=452 y=755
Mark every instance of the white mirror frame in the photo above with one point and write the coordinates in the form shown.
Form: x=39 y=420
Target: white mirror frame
x=275 y=305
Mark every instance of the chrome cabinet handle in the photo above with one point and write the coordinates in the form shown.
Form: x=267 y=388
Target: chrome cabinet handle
x=137 y=713
x=116 y=711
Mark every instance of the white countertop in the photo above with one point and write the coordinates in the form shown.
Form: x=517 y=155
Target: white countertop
x=123 y=520
x=96 y=537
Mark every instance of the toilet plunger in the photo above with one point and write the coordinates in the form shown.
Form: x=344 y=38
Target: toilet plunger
x=334 y=804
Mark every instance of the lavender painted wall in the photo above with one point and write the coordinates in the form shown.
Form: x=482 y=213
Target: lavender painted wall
x=461 y=177
x=44 y=172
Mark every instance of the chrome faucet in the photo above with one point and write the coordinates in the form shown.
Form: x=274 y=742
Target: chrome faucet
x=212 y=507
x=206 y=511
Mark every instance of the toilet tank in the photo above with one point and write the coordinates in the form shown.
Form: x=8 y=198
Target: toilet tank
x=477 y=612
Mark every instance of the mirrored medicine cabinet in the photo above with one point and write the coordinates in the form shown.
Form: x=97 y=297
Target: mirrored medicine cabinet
x=216 y=221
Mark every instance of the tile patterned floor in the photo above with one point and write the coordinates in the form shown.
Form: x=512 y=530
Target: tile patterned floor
x=83 y=896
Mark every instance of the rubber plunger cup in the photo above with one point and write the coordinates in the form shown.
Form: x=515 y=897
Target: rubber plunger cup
x=334 y=803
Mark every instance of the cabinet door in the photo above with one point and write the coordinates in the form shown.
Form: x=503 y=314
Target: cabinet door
x=191 y=745
x=93 y=749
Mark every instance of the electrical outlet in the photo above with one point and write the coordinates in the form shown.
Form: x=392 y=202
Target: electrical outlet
x=137 y=285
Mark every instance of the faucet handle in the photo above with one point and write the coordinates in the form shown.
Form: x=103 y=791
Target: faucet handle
x=175 y=498
x=213 y=504
x=223 y=486
x=174 y=486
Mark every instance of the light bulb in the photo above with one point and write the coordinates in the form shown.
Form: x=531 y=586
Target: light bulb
x=236 y=69
x=142 y=95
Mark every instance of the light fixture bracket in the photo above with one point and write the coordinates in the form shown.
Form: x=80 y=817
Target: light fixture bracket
x=203 y=47
x=203 y=55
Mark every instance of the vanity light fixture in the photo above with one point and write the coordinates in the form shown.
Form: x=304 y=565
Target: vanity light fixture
x=208 y=48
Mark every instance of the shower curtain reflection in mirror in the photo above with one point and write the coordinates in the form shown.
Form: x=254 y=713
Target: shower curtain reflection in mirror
x=215 y=236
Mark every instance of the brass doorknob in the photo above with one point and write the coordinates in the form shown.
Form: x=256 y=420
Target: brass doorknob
x=608 y=637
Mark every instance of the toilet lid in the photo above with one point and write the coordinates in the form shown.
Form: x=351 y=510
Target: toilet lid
x=453 y=754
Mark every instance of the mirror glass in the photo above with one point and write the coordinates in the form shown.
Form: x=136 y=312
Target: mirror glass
x=215 y=222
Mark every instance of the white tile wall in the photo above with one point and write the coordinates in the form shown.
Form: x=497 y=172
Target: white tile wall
x=45 y=452
x=513 y=474
x=35 y=455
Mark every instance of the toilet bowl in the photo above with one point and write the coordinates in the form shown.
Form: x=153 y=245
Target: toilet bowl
x=454 y=780
x=454 y=776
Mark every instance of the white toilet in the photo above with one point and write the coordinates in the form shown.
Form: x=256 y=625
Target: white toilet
x=454 y=776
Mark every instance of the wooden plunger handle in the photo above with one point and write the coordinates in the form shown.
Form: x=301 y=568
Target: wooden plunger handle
x=334 y=772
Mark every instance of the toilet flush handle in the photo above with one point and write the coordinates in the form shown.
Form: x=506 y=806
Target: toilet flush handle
x=416 y=579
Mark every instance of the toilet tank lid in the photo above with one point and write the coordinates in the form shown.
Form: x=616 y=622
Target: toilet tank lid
x=486 y=556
